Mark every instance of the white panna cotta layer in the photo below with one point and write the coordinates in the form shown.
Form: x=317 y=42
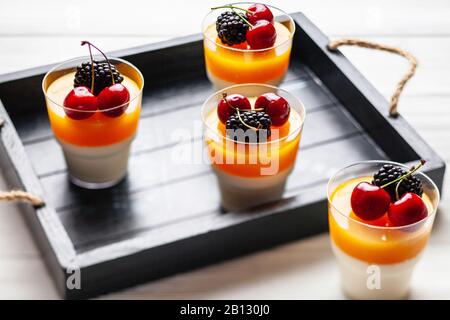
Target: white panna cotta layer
x=361 y=280
x=239 y=193
x=97 y=167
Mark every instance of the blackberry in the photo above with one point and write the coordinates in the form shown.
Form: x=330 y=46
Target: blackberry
x=260 y=121
x=102 y=76
x=389 y=173
x=231 y=28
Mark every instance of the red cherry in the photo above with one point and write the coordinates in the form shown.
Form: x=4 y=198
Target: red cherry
x=116 y=98
x=80 y=103
x=369 y=202
x=262 y=35
x=260 y=12
x=228 y=103
x=408 y=210
x=275 y=106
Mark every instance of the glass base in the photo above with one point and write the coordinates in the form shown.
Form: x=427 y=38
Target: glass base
x=97 y=167
x=242 y=193
x=94 y=185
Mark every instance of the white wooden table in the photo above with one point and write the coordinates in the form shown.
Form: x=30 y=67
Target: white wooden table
x=33 y=33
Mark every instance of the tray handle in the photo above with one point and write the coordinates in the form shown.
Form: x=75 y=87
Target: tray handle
x=19 y=195
x=393 y=109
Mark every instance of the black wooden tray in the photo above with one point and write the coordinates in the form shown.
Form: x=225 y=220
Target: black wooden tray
x=165 y=218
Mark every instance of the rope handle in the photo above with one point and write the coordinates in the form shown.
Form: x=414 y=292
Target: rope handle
x=21 y=196
x=18 y=195
x=393 y=108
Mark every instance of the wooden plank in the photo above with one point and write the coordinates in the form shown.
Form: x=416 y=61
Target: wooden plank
x=24 y=52
x=352 y=16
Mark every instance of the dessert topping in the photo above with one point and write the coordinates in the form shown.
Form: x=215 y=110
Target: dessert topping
x=249 y=126
x=258 y=11
x=275 y=106
x=231 y=28
x=371 y=201
x=80 y=103
x=261 y=35
x=409 y=209
x=388 y=173
x=229 y=104
x=256 y=26
x=113 y=99
x=102 y=75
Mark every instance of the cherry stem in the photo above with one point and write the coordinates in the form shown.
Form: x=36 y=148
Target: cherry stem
x=224 y=96
x=103 y=54
x=401 y=178
x=232 y=7
x=240 y=119
x=92 y=69
x=242 y=18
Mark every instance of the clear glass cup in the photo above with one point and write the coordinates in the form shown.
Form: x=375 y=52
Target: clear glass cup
x=228 y=65
x=252 y=173
x=375 y=261
x=96 y=148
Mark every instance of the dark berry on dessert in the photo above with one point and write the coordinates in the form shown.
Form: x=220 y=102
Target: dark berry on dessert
x=258 y=12
x=229 y=104
x=249 y=126
x=231 y=28
x=102 y=75
x=388 y=173
x=275 y=106
x=261 y=35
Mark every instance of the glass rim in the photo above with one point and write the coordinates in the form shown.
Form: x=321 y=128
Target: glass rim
x=295 y=132
x=423 y=175
x=54 y=69
x=249 y=50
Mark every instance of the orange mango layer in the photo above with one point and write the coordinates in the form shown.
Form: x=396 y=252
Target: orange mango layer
x=248 y=66
x=251 y=160
x=98 y=130
x=371 y=244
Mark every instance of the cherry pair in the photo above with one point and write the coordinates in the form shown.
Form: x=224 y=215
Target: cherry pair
x=112 y=101
x=370 y=202
x=81 y=103
x=262 y=33
x=275 y=106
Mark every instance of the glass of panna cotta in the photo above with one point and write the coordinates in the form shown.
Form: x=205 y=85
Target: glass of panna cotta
x=379 y=226
x=94 y=123
x=252 y=134
x=236 y=52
